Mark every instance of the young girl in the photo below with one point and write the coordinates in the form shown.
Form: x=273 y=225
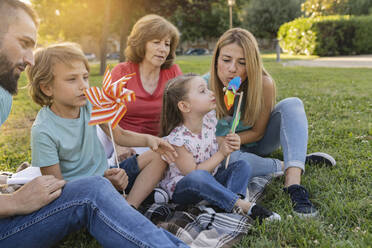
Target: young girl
x=62 y=142
x=264 y=126
x=188 y=122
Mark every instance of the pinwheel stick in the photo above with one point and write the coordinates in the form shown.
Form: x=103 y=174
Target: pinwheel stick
x=113 y=144
x=116 y=155
x=235 y=121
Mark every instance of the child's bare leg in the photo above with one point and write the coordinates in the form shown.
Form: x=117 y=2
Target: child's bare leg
x=256 y=211
x=152 y=170
x=244 y=205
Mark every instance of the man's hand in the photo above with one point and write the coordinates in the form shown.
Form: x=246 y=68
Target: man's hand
x=166 y=150
x=36 y=194
x=118 y=177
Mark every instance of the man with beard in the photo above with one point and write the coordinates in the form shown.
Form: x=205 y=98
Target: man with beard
x=46 y=209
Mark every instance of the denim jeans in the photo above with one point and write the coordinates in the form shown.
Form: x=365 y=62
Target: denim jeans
x=130 y=165
x=222 y=190
x=287 y=127
x=92 y=203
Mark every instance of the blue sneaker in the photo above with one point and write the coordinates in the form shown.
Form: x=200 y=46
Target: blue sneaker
x=320 y=158
x=302 y=206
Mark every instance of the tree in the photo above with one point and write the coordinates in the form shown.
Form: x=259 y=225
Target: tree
x=313 y=8
x=69 y=19
x=205 y=19
x=264 y=17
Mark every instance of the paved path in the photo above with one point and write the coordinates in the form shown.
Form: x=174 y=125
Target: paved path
x=361 y=61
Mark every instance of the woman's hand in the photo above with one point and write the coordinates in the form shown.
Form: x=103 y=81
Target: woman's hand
x=233 y=140
x=118 y=177
x=166 y=150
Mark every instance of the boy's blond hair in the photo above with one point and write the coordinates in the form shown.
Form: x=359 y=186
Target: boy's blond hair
x=42 y=72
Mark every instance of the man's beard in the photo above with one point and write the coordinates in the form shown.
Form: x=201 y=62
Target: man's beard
x=8 y=79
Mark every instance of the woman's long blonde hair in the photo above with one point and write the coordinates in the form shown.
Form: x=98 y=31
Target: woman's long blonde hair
x=252 y=88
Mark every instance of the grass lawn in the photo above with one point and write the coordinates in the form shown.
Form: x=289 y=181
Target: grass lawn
x=339 y=110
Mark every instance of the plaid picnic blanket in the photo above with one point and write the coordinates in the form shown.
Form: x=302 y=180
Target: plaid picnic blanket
x=206 y=226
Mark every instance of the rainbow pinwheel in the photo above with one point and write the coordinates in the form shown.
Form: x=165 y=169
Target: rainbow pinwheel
x=231 y=91
x=109 y=103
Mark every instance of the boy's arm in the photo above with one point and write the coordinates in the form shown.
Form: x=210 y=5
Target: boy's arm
x=126 y=138
x=53 y=170
x=132 y=139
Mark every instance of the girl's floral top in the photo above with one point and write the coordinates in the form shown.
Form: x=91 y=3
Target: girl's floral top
x=202 y=146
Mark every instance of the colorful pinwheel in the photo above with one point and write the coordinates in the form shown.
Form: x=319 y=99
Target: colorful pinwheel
x=231 y=91
x=109 y=103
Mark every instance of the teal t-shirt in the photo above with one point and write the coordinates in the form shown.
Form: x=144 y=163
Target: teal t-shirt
x=224 y=125
x=70 y=142
x=6 y=100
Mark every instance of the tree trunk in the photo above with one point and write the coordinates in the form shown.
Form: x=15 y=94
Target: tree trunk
x=105 y=32
x=125 y=25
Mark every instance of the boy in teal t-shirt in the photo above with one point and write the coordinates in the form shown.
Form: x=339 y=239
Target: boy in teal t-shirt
x=62 y=142
x=71 y=143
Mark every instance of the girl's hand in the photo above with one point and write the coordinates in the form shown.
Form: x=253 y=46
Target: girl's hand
x=233 y=140
x=225 y=148
x=118 y=177
x=124 y=152
x=166 y=150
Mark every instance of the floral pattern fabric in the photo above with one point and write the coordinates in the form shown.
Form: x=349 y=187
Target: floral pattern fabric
x=202 y=146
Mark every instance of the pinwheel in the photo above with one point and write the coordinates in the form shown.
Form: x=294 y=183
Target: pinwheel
x=230 y=92
x=109 y=103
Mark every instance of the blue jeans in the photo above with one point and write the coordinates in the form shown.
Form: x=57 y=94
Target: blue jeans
x=287 y=127
x=222 y=190
x=92 y=203
x=130 y=165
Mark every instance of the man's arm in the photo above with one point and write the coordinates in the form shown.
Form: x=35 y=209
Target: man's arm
x=31 y=197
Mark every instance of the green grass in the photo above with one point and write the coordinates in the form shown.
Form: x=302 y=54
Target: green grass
x=339 y=109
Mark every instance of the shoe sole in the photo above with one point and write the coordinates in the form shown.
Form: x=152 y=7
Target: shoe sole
x=273 y=217
x=304 y=216
x=322 y=158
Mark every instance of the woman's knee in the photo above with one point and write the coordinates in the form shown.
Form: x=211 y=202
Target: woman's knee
x=292 y=102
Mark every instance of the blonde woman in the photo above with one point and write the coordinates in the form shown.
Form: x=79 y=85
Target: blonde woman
x=264 y=126
x=150 y=53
